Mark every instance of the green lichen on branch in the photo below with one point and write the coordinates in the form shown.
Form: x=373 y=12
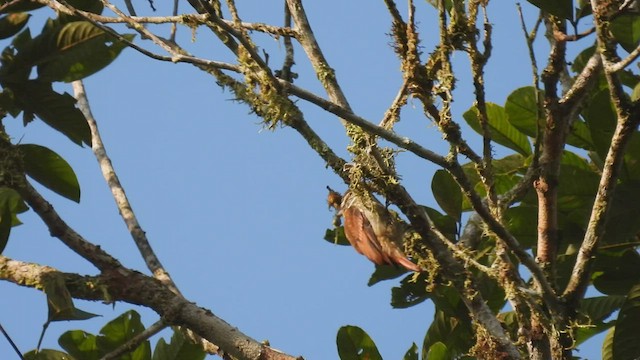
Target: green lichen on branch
x=262 y=98
x=325 y=74
x=11 y=167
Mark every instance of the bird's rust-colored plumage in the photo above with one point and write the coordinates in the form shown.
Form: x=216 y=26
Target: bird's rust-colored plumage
x=371 y=230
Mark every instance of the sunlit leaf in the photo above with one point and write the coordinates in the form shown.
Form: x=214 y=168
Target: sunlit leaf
x=47 y=354
x=522 y=108
x=122 y=329
x=77 y=50
x=412 y=353
x=607 y=345
x=80 y=344
x=502 y=132
x=625 y=339
x=354 y=344
x=50 y=170
x=438 y=351
x=626 y=29
x=179 y=348
x=16 y=204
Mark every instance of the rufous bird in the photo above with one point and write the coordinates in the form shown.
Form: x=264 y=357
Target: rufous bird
x=371 y=230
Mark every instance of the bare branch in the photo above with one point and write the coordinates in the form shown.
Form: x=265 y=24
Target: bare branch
x=119 y=195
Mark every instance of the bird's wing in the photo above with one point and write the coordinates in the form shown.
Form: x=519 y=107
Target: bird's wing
x=360 y=234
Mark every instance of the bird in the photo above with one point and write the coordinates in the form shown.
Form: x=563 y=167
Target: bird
x=371 y=230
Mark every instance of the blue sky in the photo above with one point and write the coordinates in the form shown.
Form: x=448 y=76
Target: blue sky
x=235 y=212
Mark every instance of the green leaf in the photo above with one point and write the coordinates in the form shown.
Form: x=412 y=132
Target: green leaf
x=15 y=202
x=600 y=307
x=631 y=166
x=447 y=193
x=607 y=345
x=12 y=24
x=5 y=225
x=19 y=6
x=336 y=236
x=47 y=354
x=502 y=132
x=454 y=332
x=626 y=29
x=593 y=312
x=54 y=109
x=522 y=224
x=92 y=6
x=354 y=344
x=581 y=60
x=179 y=348
x=385 y=272
x=122 y=329
x=577 y=187
x=614 y=273
x=445 y=223
x=522 y=108
x=50 y=170
x=635 y=95
x=623 y=224
x=601 y=118
x=411 y=292
x=438 y=351
x=80 y=344
x=625 y=339
x=560 y=8
x=580 y=136
x=412 y=353
x=60 y=303
x=77 y=50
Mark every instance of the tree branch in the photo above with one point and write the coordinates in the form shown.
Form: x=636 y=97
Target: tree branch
x=124 y=206
x=122 y=284
x=59 y=229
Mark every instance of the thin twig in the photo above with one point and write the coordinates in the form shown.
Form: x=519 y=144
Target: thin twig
x=391 y=116
x=615 y=67
x=348 y=116
x=135 y=341
x=13 y=345
x=117 y=190
x=174 y=26
x=285 y=72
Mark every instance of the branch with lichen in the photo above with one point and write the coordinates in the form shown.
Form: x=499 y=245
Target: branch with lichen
x=628 y=119
x=122 y=284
